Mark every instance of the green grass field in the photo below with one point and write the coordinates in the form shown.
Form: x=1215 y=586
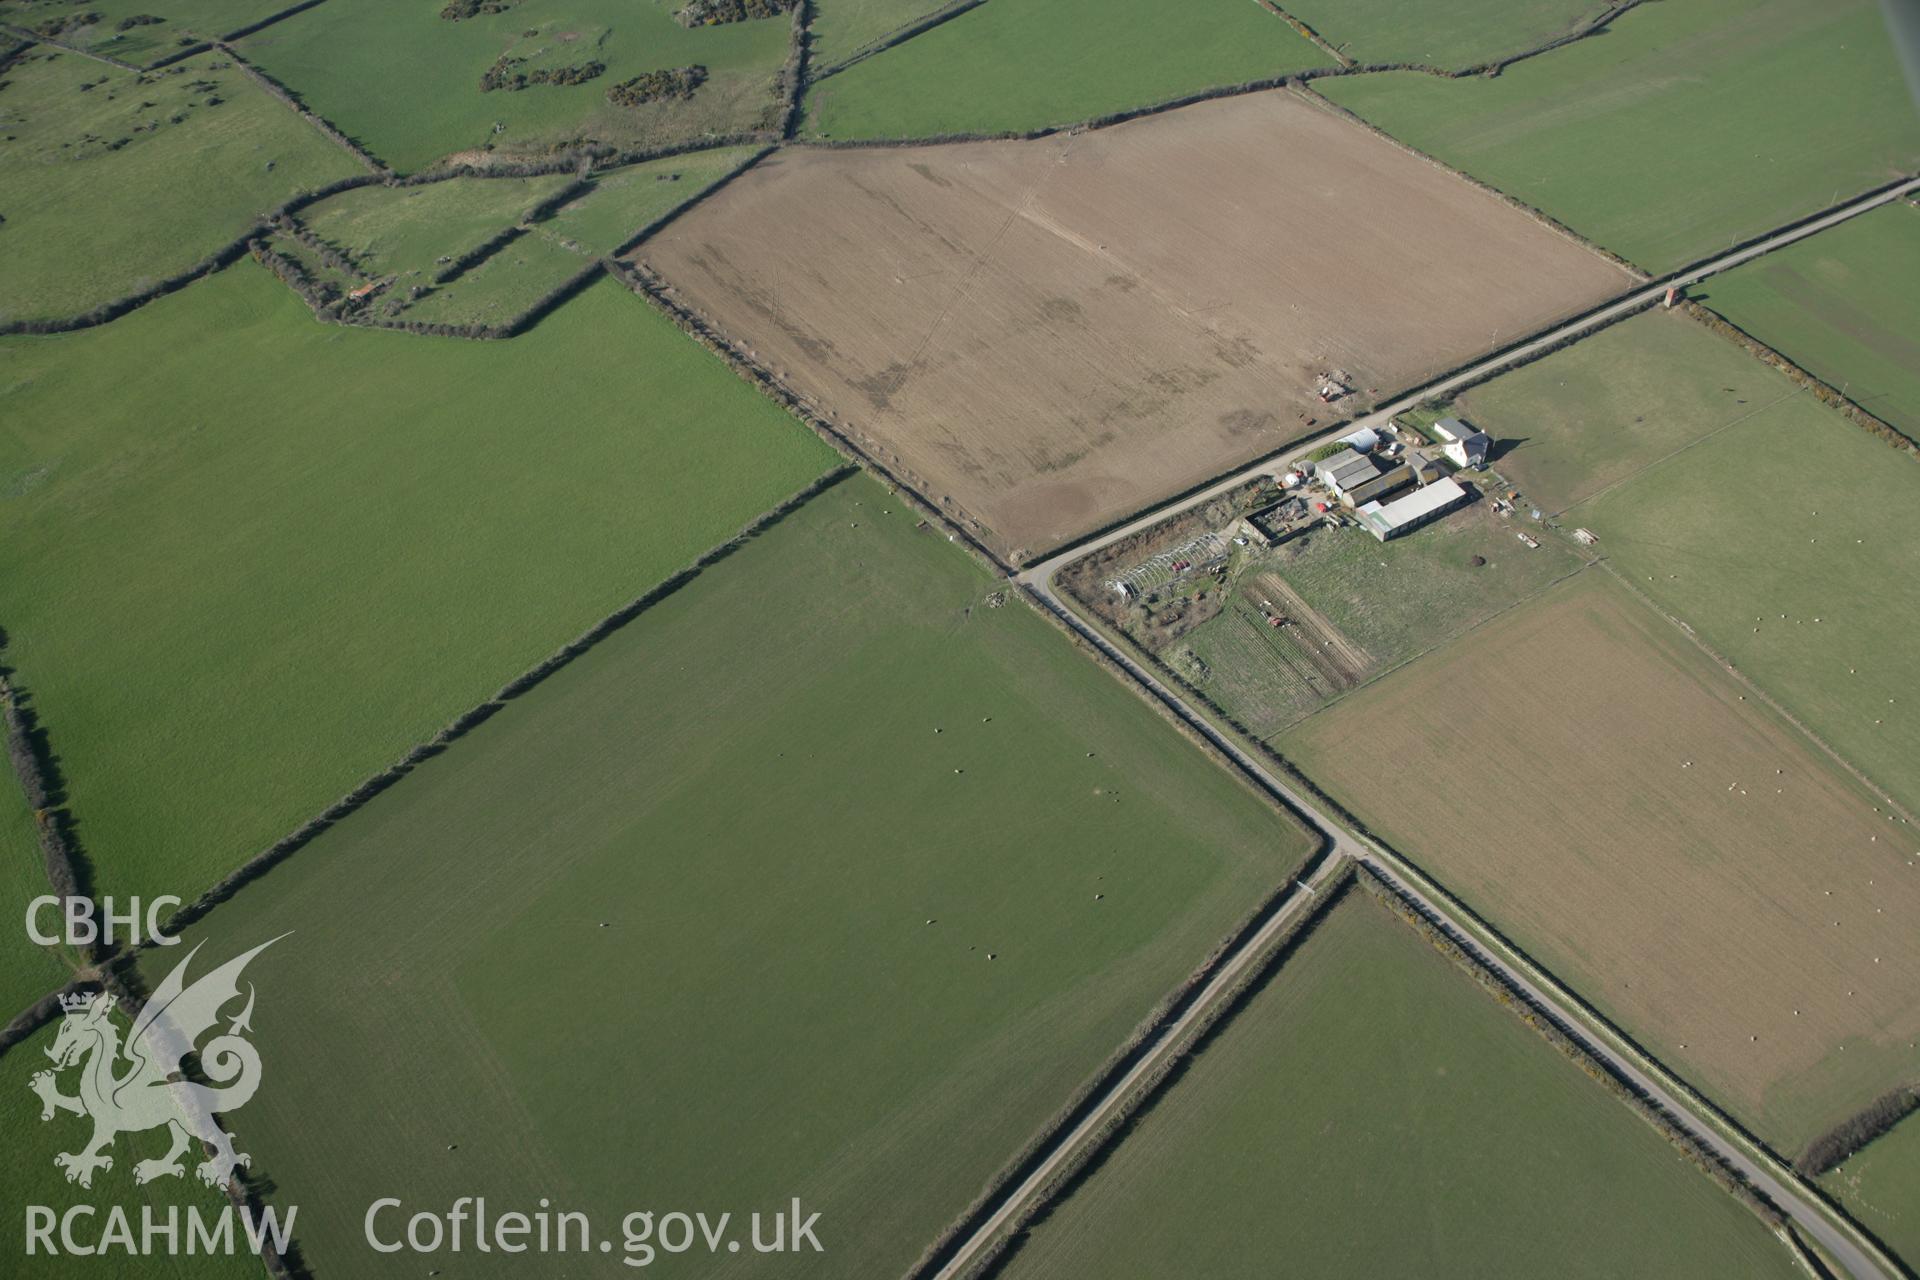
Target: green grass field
x=1749 y=513
x=160 y=174
x=29 y=1177
x=1844 y=306
x=825 y=877
x=1463 y=34
x=406 y=231
x=622 y=201
x=503 y=287
x=1880 y=1187
x=1599 y=412
x=1806 y=576
x=406 y=83
x=1685 y=128
x=250 y=558
x=841 y=28
x=1373 y=1112
x=404 y=235
x=1023 y=64
x=27 y=971
x=97 y=24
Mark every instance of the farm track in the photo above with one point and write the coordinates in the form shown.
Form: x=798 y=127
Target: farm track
x=1759 y=1168
x=1762 y=1169
x=1858 y=1255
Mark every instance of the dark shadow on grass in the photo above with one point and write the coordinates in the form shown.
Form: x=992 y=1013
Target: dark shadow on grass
x=1502 y=447
x=37 y=768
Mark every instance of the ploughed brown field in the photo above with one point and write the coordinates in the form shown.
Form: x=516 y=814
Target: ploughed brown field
x=1049 y=335
x=1592 y=783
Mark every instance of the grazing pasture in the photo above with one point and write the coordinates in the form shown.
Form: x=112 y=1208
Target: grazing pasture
x=623 y=201
x=1015 y=65
x=1880 y=1187
x=1594 y=786
x=842 y=28
x=1052 y=334
x=1601 y=411
x=405 y=82
x=1451 y=37
x=250 y=558
x=162 y=169
x=27 y=970
x=1843 y=305
x=503 y=287
x=1368 y=1076
x=1683 y=129
x=136 y=31
x=832 y=875
x=409 y=232
x=29 y=1177
x=1787 y=537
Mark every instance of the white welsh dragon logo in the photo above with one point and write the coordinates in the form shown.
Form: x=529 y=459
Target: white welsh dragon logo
x=137 y=1086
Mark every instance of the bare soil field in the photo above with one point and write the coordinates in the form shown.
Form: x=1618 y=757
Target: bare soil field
x=1582 y=775
x=1048 y=335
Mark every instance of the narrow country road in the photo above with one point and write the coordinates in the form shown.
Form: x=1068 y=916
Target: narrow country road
x=1861 y=1260
x=1857 y=1255
x=1517 y=354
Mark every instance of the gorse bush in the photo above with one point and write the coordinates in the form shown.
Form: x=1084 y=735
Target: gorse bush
x=457 y=10
x=712 y=13
x=657 y=86
x=505 y=74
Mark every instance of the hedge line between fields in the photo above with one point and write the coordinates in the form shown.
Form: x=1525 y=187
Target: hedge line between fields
x=1352 y=822
x=750 y=371
x=246 y=1191
x=54 y=42
x=1102 y=1141
x=474 y=716
x=1307 y=33
x=1467 y=958
x=1170 y=504
x=790 y=82
x=38 y=1014
x=309 y=238
x=261 y=24
x=180 y=54
x=637 y=238
x=34 y=765
x=1839 y=1144
x=479 y=253
x=696 y=327
x=234 y=250
x=494 y=243
x=293 y=100
x=1822 y=391
x=101 y=314
x=900 y=35
x=224 y=256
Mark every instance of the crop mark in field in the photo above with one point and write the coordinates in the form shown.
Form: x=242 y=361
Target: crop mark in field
x=1137 y=226
x=964 y=289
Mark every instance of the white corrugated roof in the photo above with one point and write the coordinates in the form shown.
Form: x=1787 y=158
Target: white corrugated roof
x=1437 y=496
